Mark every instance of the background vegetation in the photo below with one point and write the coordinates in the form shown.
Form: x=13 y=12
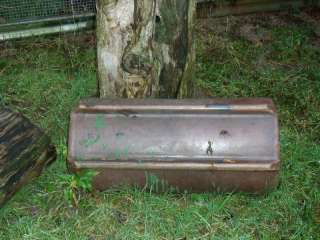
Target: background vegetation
x=274 y=55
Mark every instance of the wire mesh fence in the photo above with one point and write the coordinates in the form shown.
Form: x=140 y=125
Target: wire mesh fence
x=23 y=18
x=13 y=11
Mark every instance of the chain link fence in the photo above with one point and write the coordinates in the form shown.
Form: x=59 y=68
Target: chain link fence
x=24 y=18
x=15 y=11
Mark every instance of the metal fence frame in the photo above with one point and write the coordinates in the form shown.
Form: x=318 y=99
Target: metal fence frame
x=46 y=26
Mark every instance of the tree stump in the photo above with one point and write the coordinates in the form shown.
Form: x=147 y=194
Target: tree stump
x=24 y=151
x=145 y=48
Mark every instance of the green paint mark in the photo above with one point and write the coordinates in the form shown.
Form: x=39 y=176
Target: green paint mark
x=91 y=140
x=121 y=153
x=126 y=152
x=117 y=153
x=100 y=122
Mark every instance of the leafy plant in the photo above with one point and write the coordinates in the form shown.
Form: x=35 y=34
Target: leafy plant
x=77 y=185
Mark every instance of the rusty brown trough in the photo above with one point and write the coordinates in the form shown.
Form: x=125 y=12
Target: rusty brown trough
x=193 y=145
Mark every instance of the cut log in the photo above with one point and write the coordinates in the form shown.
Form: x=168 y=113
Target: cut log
x=24 y=151
x=145 y=48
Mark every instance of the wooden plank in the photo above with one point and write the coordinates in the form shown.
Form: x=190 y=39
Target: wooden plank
x=24 y=151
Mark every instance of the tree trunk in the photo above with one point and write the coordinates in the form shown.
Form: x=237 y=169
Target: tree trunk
x=145 y=48
x=24 y=151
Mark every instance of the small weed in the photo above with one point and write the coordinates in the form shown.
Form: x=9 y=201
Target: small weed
x=77 y=185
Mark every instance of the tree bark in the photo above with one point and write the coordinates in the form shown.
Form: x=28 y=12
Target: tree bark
x=145 y=48
x=24 y=151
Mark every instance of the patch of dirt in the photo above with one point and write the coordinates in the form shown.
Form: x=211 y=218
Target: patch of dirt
x=7 y=49
x=252 y=27
x=119 y=216
x=316 y=31
x=275 y=20
x=314 y=23
x=254 y=34
x=8 y=52
x=256 y=28
x=314 y=13
x=34 y=210
x=316 y=42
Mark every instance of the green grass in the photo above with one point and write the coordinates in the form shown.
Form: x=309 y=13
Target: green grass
x=44 y=79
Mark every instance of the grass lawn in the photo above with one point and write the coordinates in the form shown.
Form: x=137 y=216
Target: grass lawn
x=274 y=55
